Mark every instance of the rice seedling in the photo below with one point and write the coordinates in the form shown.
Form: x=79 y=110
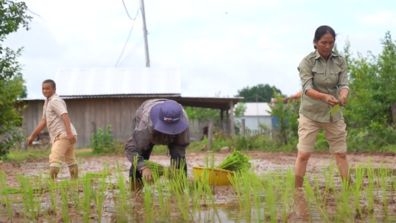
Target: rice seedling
x=99 y=195
x=30 y=202
x=53 y=196
x=74 y=193
x=271 y=204
x=173 y=197
x=4 y=195
x=201 y=196
x=343 y=211
x=163 y=198
x=356 y=187
x=370 y=191
x=329 y=178
x=121 y=198
x=242 y=185
x=148 y=203
x=179 y=188
x=384 y=175
x=236 y=161
x=86 y=198
x=286 y=196
x=64 y=187
x=315 y=199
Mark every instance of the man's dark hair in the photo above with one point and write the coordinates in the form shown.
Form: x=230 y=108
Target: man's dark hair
x=49 y=81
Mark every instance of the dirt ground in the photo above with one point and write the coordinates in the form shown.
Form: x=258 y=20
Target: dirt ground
x=261 y=163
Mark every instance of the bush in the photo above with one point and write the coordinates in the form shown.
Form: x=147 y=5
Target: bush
x=256 y=142
x=102 y=141
x=13 y=138
x=373 y=138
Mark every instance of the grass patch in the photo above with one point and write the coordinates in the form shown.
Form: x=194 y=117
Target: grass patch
x=19 y=155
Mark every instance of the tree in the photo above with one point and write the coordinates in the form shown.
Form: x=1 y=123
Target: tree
x=258 y=93
x=368 y=113
x=202 y=113
x=12 y=17
x=284 y=116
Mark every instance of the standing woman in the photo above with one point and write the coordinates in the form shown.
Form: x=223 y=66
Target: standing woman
x=324 y=80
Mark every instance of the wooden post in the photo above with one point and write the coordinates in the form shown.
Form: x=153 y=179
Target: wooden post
x=210 y=134
x=393 y=111
x=243 y=127
x=231 y=119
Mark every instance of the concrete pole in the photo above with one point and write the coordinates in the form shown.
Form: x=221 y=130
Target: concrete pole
x=146 y=49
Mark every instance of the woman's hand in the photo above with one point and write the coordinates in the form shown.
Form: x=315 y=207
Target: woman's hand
x=147 y=175
x=331 y=100
x=343 y=96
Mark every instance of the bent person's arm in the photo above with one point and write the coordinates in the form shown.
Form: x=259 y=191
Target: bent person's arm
x=138 y=142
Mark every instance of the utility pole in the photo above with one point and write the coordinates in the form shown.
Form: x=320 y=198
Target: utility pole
x=146 y=49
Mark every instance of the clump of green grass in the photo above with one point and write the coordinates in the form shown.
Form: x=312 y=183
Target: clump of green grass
x=19 y=155
x=155 y=167
x=5 y=192
x=30 y=201
x=236 y=161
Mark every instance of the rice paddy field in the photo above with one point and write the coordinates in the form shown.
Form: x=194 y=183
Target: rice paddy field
x=264 y=193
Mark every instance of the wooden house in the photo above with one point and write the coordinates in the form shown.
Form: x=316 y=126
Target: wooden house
x=98 y=98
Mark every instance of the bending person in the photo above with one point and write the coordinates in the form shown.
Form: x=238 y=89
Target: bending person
x=157 y=122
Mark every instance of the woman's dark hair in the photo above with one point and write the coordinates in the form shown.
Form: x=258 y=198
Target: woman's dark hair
x=322 y=30
x=51 y=82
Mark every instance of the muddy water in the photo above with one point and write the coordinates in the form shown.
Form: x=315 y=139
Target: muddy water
x=226 y=207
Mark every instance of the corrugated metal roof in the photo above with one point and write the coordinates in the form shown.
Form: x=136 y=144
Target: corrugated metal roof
x=118 y=81
x=202 y=102
x=120 y=96
x=257 y=109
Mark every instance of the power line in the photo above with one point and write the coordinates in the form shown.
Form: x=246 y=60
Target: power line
x=33 y=13
x=127 y=12
x=129 y=33
x=125 y=45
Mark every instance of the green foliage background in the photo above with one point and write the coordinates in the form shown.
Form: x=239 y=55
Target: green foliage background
x=258 y=93
x=373 y=93
x=368 y=114
x=12 y=17
x=371 y=123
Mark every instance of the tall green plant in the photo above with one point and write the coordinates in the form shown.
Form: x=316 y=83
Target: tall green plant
x=372 y=94
x=102 y=141
x=258 y=93
x=194 y=113
x=12 y=16
x=285 y=120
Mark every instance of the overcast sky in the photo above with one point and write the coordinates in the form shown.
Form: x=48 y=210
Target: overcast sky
x=219 y=46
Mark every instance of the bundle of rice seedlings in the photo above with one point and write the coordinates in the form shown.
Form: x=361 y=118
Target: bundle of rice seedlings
x=236 y=161
x=156 y=167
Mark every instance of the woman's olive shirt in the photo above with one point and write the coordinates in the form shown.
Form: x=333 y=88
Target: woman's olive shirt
x=326 y=76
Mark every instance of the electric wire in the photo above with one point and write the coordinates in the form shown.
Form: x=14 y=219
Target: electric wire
x=127 y=12
x=33 y=13
x=129 y=33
